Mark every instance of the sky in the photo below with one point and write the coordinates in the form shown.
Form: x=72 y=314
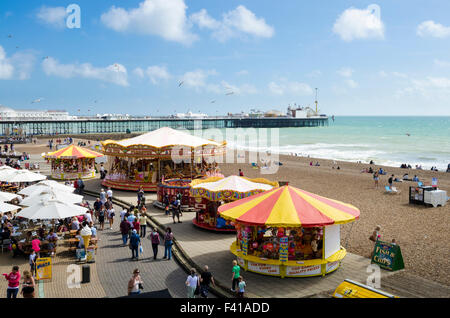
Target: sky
x=161 y=57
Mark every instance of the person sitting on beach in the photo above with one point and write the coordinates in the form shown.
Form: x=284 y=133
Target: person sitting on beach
x=390 y=180
x=370 y=170
x=416 y=179
x=317 y=164
x=406 y=177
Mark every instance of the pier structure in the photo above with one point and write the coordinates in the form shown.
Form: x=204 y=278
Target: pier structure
x=96 y=126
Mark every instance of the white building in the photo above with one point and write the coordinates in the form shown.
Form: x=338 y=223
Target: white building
x=9 y=114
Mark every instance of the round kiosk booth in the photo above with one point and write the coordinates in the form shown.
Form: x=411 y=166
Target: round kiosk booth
x=206 y=195
x=288 y=232
x=72 y=163
x=160 y=154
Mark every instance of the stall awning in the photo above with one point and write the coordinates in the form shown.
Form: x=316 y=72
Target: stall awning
x=289 y=207
x=73 y=152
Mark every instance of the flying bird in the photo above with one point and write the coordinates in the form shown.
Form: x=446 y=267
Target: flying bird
x=37 y=100
x=45 y=58
x=213 y=101
x=230 y=93
x=9 y=36
x=181 y=83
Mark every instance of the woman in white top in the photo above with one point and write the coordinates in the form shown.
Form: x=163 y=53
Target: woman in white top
x=192 y=282
x=133 y=284
x=111 y=217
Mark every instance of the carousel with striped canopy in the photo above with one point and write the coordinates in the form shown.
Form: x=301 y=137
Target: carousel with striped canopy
x=72 y=163
x=288 y=232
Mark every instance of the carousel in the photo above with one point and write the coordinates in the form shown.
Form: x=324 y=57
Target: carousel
x=159 y=155
x=72 y=163
x=288 y=232
x=206 y=195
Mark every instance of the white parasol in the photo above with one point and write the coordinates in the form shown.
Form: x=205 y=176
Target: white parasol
x=6 y=207
x=51 y=209
x=45 y=186
x=62 y=196
x=6 y=196
x=21 y=176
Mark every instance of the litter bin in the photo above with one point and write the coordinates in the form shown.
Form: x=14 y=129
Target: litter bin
x=86 y=274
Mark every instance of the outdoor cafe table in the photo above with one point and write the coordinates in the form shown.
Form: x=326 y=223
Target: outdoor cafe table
x=74 y=241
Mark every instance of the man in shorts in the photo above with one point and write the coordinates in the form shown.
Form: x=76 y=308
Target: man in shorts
x=101 y=217
x=176 y=210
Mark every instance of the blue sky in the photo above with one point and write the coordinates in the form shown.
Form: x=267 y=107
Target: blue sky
x=366 y=58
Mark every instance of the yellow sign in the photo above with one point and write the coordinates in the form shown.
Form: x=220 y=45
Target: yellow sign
x=44 y=268
x=352 y=289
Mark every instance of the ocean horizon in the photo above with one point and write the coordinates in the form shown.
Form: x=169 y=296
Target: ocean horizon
x=387 y=140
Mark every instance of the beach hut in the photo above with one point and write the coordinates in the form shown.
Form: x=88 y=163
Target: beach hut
x=206 y=195
x=288 y=232
x=161 y=154
x=72 y=163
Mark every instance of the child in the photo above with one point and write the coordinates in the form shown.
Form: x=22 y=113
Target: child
x=241 y=287
x=33 y=262
x=35 y=245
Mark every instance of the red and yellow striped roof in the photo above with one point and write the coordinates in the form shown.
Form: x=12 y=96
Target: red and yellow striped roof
x=73 y=152
x=288 y=207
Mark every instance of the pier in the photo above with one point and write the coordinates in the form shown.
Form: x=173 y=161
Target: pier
x=137 y=125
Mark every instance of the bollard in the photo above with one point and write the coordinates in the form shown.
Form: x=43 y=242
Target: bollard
x=86 y=274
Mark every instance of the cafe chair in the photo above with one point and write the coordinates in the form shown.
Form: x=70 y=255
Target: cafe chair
x=5 y=244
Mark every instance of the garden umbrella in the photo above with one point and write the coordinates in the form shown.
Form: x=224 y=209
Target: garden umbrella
x=51 y=209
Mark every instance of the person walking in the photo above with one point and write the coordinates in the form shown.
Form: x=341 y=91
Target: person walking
x=376 y=178
x=28 y=285
x=80 y=186
x=192 y=283
x=154 y=236
x=143 y=223
x=390 y=180
x=13 y=279
x=32 y=261
x=135 y=242
x=235 y=275
x=111 y=214
x=206 y=278
x=109 y=194
x=103 y=196
x=140 y=195
x=124 y=230
x=241 y=287
x=176 y=210
x=97 y=206
x=135 y=283
x=101 y=217
x=168 y=242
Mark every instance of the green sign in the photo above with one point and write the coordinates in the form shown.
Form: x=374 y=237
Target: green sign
x=388 y=256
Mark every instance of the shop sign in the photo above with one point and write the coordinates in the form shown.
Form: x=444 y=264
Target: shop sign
x=388 y=256
x=332 y=266
x=44 y=268
x=264 y=268
x=303 y=270
x=284 y=249
x=244 y=244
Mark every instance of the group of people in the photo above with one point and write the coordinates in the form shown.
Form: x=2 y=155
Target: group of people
x=173 y=207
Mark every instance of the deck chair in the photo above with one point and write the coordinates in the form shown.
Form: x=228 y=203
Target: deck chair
x=419 y=183
x=388 y=190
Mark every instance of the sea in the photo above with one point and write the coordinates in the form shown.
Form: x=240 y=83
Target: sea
x=389 y=141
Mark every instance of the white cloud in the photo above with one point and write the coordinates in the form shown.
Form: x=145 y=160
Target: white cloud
x=242 y=72
x=290 y=88
x=355 y=24
x=441 y=63
x=244 y=89
x=345 y=72
x=351 y=83
x=197 y=80
x=315 y=74
x=433 y=29
x=401 y=75
x=429 y=87
x=382 y=74
x=157 y=73
x=18 y=66
x=115 y=73
x=235 y=23
x=163 y=18
x=139 y=72
x=52 y=16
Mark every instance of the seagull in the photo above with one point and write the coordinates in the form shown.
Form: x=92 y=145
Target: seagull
x=213 y=101
x=408 y=134
x=37 y=100
x=9 y=36
x=45 y=58
x=181 y=83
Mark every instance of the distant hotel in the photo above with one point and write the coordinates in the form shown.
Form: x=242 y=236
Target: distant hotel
x=9 y=114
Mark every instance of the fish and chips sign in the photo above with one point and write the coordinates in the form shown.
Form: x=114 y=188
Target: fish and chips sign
x=388 y=256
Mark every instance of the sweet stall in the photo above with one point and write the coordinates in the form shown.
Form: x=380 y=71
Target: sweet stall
x=288 y=232
x=206 y=195
x=72 y=162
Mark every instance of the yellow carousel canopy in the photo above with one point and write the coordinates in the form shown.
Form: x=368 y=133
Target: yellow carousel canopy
x=288 y=207
x=162 y=138
x=232 y=187
x=73 y=152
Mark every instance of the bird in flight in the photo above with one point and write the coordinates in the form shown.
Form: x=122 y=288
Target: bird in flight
x=37 y=100
x=9 y=36
x=181 y=83
x=230 y=93
x=45 y=58
x=213 y=101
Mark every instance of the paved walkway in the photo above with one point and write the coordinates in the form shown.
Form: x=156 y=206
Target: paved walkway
x=212 y=249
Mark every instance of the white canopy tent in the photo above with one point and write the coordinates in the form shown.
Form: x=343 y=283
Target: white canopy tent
x=233 y=183
x=45 y=186
x=51 y=209
x=6 y=196
x=6 y=207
